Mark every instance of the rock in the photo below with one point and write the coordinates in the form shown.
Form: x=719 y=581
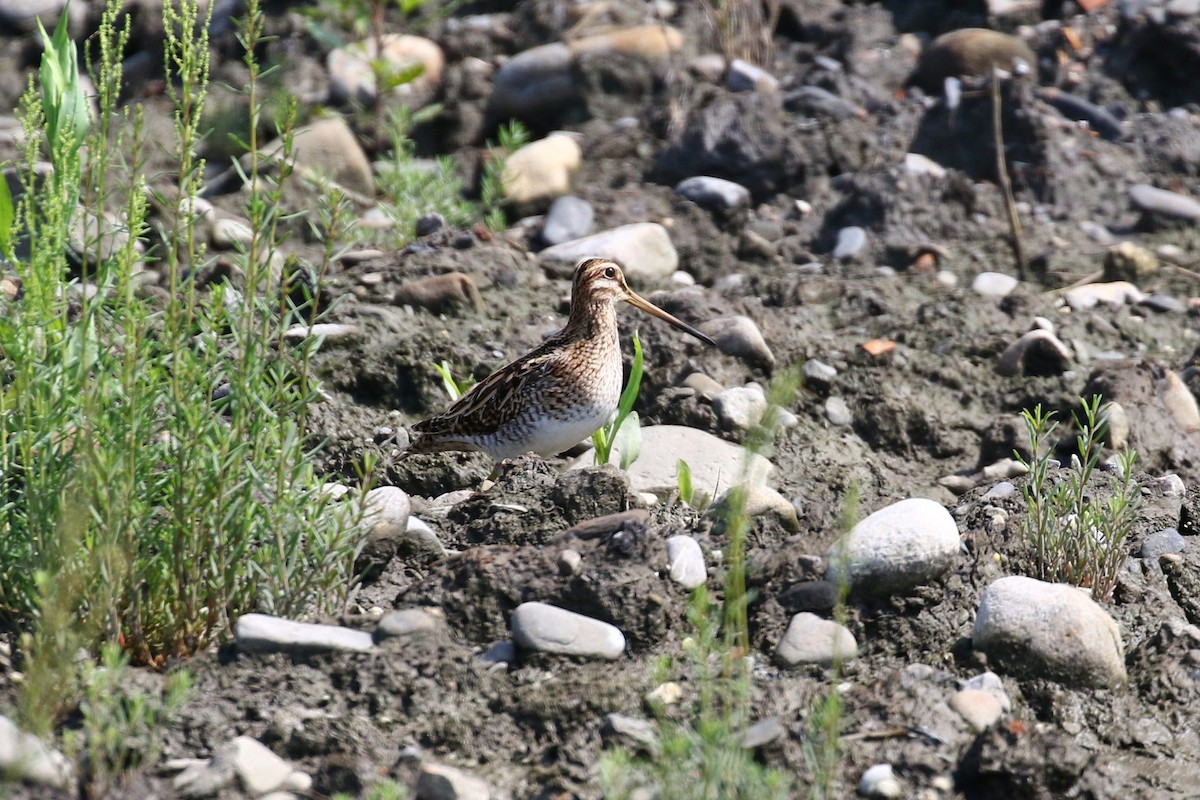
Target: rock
x=327 y=147
x=714 y=194
x=258 y=768
x=536 y=80
x=994 y=284
x=24 y=15
x=503 y=652
x=405 y=622
x=979 y=708
x=440 y=293
x=437 y=782
x=24 y=756
x=570 y=562
x=643 y=249
x=429 y=224
x=351 y=76
x=630 y=729
x=740 y=337
x=1129 y=262
x=206 y=777
x=1171 y=485
x=990 y=682
x=758 y=500
x=917 y=164
x=1116 y=293
x=327 y=332
x=647 y=41
x=740 y=408
x=263 y=633
x=899 y=546
x=715 y=463
x=226 y=233
x=763 y=733
x=851 y=242
x=880 y=781
x=838 y=413
x=816 y=101
x=1165 y=203
x=541 y=170
x=818 y=375
x=549 y=629
x=685 y=560
x=746 y=77
x=1161 y=543
x=969 y=53
x=1163 y=304
x=1037 y=352
x=568 y=218
x=705 y=387
x=1116 y=425
x=812 y=640
x=385 y=517
x=1049 y=630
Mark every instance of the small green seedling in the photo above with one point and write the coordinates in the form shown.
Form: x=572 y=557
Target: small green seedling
x=452 y=386
x=624 y=431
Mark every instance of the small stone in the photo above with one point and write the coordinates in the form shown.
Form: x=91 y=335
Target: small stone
x=25 y=757
x=1037 y=352
x=1161 y=201
x=502 y=652
x=632 y=729
x=643 y=249
x=1161 y=543
x=746 y=77
x=534 y=81
x=257 y=766
x=685 y=560
x=990 y=682
x=1049 y=630
x=568 y=218
x=1114 y=293
x=437 y=782
x=328 y=147
x=428 y=224
x=548 y=629
x=899 y=546
x=715 y=194
x=440 y=293
x=1129 y=262
x=758 y=500
x=704 y=387
x=970 y=52
x=262 y=633
x=541 y=170
x=880 y=781
x=1004 y=468
x=740 y=408
x=570 y=562
x=917 y=164
x=226 y=233
x=739 y=337
x=1097 y=233
x=667 y=694
x=1116 y=425
x=838 y=413
x=352 y=69
x=994 y=284
x=405 y=622
x=328 y=332
x=1163 y=304
x=812 y=640
x=1001 y=491
x=763 y=733
x=851 y=242
x=1172 y=485
x=818 y=375
x=958 y=485
x=647 y=41
x=979 y=708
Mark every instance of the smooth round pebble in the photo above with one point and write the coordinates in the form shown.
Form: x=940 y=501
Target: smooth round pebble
x=263 y=633
x=1161 y=543
x=741 y=407
x=1167 y=203
x=643 y=249
x=994 y=284
x=549 y=629
x=851 y=242
x=979 y=708
x=818 y=375
x=880 y=781
x=900 y=546
x=812 y=640
x=404 y=622
x=1001 y=491
x=568 y=218
x=838 y=413
x=746 y=77
x=715 y=194
x=570 y=562
x=739 y=337
x=685 y=560
x=1049 y=630
x=1036 y=352
x=1172 y=485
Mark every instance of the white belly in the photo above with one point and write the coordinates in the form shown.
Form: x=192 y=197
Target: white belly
x=551 y=436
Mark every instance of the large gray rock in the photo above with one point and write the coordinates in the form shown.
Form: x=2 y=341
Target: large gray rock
x=643 y=249
x=900 y=546
x=1049 y=630
x=262 y=633
x=549 y=629
x=26 y=757
x=812 y=640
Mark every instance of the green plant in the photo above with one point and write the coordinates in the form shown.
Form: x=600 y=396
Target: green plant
x=383 y=790
x=454 y=388
x=511 y=137
x=623 y=430
x=1072 y=535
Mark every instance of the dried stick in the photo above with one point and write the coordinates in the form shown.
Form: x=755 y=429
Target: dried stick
x=1010 y=203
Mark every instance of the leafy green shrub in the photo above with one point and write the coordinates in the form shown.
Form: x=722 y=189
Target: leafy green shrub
x=1072 y=535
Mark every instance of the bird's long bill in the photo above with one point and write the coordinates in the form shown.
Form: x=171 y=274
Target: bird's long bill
x=637 y=301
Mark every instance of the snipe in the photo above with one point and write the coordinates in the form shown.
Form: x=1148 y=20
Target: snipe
x=556 y=395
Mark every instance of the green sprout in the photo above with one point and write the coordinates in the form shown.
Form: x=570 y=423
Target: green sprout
x=623 y=431
x=455 y=389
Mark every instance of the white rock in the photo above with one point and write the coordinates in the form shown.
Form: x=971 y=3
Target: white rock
x=26 y=757
x=437 y=782
x=549 y=629
x=643 y=249
x=1049 y=630
x=351 y=75
x=685 y=560
x=838 y=413
x=262 y=633
x=903 y=545
x=387 y=510
x=541 y=170
x=328 y=332
x=739 y=337
x=1172 y=485
x=979 y=708
x=715 y=463
x=917 y=164
x=740 y=408
x=258 y=768
x=405 y=622
x=880 y=781
x=812 y=640
x=746 y=77
x=994 y=284
x=758 y=500
x=1115 y=293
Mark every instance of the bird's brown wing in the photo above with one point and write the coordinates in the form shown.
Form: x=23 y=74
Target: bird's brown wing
x=495 y=400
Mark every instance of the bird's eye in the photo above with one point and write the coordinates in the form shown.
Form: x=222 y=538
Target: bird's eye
x=611 y=272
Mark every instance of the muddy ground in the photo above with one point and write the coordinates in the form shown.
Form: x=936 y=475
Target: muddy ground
x=931 y=407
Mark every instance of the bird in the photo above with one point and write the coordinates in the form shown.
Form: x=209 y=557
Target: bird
x=557 y=394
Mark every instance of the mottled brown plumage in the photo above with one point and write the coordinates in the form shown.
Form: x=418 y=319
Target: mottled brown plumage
x=557 y=394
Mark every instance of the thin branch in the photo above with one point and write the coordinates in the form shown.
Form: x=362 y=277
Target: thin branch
x=1010 y=203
